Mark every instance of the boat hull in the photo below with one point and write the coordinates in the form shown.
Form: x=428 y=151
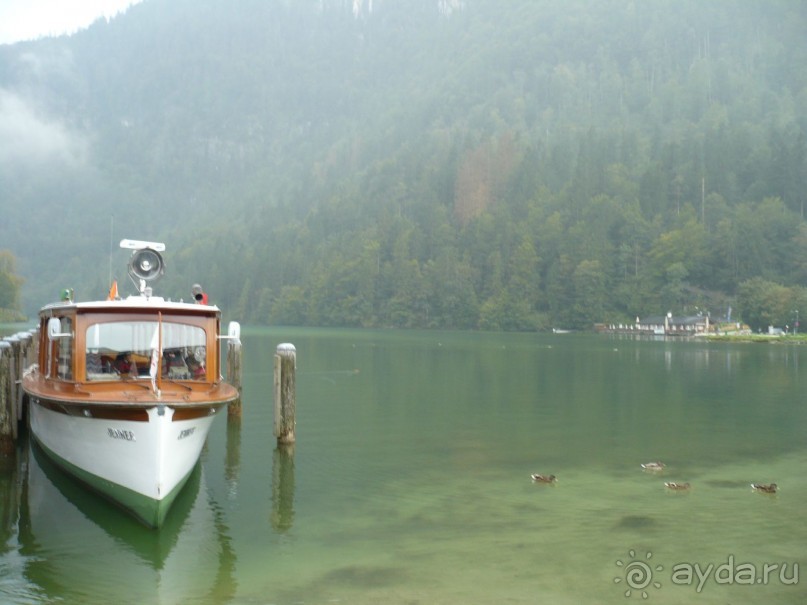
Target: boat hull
x=139 y=464
x=75 y=542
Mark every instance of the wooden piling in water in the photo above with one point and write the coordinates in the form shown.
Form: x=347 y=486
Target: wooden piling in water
x=7 y=415
x=234 y=374
x=25 y=357
x=17 y=353
x=15 y=380
x=285 y=404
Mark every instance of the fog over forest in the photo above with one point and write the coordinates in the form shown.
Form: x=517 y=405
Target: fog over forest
x=462 y=164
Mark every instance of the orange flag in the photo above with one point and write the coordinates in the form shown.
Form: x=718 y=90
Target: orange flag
x=113 y=291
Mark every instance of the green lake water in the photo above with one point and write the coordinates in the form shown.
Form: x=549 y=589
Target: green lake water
x=410 y=482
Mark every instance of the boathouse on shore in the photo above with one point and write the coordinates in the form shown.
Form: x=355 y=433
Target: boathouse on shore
x=662 y=325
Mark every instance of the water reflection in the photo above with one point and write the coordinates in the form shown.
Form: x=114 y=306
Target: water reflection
x=283 y=488
x=232 y=461
x=410 y=479
x=66 y=533
x=9 y=499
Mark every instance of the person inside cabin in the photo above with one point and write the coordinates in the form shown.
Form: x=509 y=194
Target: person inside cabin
x=197 y=368
x=124 y=365
x=175 y=366
x=199 y=371
x=199 y=295
x=195 y=362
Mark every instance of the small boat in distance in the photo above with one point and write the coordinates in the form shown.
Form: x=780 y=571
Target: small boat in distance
x=126 y=389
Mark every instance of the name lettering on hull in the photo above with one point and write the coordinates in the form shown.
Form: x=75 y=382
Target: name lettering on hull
x=121 y=434
x=186 y=433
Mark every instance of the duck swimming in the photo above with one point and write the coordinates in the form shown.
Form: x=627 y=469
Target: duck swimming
x=653 y=466
x=676 y=486
x=765 y=488
x=543 y=478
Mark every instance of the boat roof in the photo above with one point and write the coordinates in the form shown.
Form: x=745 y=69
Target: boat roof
x=132 y=303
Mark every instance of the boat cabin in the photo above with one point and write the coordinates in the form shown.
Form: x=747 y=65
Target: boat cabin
x=134 y=339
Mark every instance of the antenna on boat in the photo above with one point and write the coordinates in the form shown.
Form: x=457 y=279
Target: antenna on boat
x=145 y=264
x=111 y=231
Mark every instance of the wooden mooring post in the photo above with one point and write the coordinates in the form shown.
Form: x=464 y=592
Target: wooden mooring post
x=234 y=375
x=285 y=404
x=7 y=407
x=17 y=353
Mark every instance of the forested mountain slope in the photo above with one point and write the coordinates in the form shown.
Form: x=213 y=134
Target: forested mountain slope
x=419 y=163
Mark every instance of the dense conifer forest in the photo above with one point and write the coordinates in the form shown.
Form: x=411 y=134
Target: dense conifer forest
x=468 y=164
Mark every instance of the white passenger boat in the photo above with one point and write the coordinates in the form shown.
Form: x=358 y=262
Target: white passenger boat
x=125 y=390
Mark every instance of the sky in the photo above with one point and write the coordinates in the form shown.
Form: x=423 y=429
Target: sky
x=31 y=19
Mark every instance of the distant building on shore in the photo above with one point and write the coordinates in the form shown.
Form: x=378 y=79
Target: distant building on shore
x=661 y=325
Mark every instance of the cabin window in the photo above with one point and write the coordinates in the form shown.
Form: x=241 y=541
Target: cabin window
x=134 y=349
x=64 y=351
